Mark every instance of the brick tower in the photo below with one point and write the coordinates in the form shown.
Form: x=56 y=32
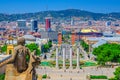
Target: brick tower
x=59 y=38
x=73 y=37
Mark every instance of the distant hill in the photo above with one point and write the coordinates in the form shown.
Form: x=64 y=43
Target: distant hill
x=61 y=14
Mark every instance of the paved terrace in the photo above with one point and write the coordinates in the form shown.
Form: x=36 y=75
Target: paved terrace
x=74 y=74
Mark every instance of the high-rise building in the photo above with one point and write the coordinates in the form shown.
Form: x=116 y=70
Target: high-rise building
x=22 y=24
x=72 y=21
x=34 y=25
x=48 y=23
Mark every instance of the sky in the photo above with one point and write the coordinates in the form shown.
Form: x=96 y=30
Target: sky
x=27 y=6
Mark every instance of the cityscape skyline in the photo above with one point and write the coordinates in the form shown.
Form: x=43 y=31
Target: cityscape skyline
x=59 y=39
x=31 y=6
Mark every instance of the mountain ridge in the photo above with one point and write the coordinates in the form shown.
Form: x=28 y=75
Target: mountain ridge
x=62 y=14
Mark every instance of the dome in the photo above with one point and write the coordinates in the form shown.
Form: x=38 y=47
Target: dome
x=88 y=30
x=29 y=37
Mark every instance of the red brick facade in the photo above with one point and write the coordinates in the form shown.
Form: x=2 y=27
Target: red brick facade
x=59 y=38
x=73 y=36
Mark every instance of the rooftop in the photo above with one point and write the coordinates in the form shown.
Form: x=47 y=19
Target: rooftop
x=29 y=37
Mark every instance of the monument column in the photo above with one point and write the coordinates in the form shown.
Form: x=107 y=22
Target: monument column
x=63 y=58
x=57 y=64
x=78 y=57
x=71 y=57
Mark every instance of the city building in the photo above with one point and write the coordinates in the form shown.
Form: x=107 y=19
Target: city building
x=108 y=23
x=72 y=21
x=21 y=24
x=48 y=23
x=34 y=25
x=93 y=40
x=108 y=34
x=29 y=39
x=58 y=27
x=89 y=23
x=84 y=33
x=51 y=35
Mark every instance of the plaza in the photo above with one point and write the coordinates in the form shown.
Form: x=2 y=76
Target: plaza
x=64 y=72
x=74 y=74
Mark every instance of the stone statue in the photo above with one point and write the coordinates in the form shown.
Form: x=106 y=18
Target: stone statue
x=19 y=58
x=19 y=66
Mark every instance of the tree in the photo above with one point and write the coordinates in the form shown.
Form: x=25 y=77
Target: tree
x=47 y=46
x=4 y=48
x=84 y=45
x=50 y=43
x=2 y=76
x=117 y=73
x=107 y=53
x=33 y=47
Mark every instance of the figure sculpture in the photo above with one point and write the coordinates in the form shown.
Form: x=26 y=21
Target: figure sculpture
x=18 y=66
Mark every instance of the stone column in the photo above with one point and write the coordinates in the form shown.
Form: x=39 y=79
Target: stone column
x=71 y=57
x=78 y=57
x=57 y=64
x=64 y=58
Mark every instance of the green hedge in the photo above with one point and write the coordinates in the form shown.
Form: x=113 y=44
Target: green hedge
x=44 y=76
x=98 y=77
x=2 y=76
x=112 y=79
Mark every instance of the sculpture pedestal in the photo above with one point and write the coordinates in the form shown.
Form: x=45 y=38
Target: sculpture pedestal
x=39 y=77
x=12 y=74
x=2 y=69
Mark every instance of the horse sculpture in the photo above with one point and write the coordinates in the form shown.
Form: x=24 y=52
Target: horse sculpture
x=18 y=68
